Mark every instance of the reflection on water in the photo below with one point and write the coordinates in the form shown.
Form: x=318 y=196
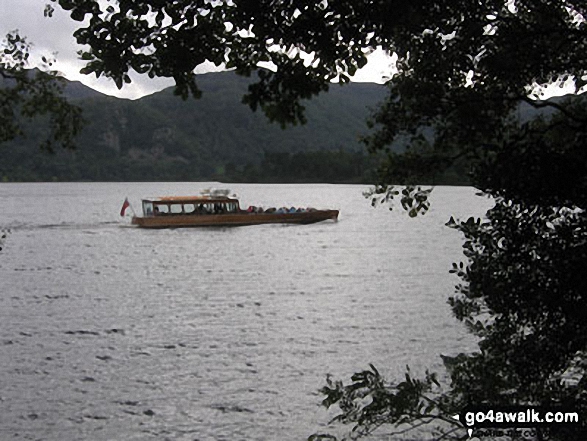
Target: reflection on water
x=109 y=332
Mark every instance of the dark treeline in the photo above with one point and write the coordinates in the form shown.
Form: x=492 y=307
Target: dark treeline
x=84 y=165
x=309 y=166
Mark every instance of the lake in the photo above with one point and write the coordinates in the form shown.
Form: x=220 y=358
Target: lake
x=110 y=332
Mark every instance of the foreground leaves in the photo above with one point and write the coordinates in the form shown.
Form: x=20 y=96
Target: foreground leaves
x=26 y=94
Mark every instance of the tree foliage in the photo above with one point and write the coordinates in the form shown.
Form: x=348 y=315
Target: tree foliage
x=26 y=94
x=172 y=38
x=463 y=69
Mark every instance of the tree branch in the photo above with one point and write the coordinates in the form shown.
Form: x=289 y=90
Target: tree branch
x=538 y=104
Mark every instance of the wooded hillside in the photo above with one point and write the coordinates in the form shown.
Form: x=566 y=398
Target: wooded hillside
x=162 y=137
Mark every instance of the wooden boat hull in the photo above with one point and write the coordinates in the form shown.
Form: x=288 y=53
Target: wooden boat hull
x=233 y=219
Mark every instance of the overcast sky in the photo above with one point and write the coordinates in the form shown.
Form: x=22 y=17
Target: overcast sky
x=54 y=36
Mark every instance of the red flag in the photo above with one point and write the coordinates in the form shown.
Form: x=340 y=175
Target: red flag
x=125 y=205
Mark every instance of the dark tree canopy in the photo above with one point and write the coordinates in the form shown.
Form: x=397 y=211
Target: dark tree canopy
x=26 y=94
x=464 y=68
x=172 y=38
x=442 y=45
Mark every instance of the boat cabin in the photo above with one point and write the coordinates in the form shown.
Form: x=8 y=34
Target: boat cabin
x=190 y=205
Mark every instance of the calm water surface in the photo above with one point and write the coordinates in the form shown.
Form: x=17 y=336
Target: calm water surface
x=109 y=332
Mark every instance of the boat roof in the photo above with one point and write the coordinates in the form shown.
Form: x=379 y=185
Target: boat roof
x=190 y=199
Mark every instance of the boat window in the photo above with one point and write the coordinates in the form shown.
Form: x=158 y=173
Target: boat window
x=189 y=208
x=162 y=209
x=148 y=208
x=176 y=208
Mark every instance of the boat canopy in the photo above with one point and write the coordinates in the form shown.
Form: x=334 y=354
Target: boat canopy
x=190 y=200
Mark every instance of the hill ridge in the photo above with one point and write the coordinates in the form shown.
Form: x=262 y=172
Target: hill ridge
x=161 y=137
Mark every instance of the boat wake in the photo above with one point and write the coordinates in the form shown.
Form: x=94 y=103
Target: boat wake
x=60 y=226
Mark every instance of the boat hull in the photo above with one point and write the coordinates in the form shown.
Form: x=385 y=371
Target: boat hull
x=233 y=219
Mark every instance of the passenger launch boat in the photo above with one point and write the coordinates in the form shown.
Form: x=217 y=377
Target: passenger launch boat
x=217 y=209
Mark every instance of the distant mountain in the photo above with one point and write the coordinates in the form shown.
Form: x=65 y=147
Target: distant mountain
x=161 y=137
x=76 y=90
x=227 y=130
x=72 y=89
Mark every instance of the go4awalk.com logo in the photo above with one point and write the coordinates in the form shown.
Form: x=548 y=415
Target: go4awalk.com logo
x=481 y=417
